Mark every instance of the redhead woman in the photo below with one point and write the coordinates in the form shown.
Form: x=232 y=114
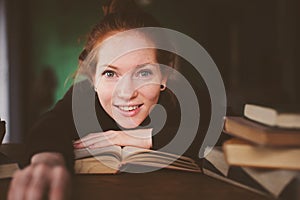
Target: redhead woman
x=127 y=82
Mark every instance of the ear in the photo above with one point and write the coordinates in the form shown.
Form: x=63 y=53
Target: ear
x=94 y=84
x=163 y=82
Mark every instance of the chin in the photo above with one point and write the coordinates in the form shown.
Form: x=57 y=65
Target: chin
x=127 y=124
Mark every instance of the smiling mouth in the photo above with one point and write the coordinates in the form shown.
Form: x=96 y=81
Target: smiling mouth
x=129 y=108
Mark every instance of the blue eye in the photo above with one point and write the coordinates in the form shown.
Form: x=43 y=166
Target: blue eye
x=109 y=74
x=144 y=73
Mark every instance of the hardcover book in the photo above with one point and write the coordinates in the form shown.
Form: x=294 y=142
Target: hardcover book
x=7 y=166
x=284 y=118
x=241 y=153
x=260 y=134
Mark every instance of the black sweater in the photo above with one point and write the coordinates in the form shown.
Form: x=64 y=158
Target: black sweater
x=55 y=130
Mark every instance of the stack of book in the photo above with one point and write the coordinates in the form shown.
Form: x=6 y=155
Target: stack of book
x=263 y=154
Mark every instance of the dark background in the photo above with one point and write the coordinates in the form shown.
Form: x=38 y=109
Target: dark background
x=254 y=43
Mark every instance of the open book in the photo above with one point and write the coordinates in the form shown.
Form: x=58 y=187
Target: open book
x=114 y=159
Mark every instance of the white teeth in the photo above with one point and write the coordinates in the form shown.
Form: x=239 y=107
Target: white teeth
x=128 y=108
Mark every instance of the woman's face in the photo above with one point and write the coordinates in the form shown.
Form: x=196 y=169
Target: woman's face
x=129 y=86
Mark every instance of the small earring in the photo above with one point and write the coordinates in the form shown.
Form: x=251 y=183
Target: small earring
x=162 y=87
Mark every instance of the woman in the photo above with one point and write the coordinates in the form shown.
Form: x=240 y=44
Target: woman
x=126 y=90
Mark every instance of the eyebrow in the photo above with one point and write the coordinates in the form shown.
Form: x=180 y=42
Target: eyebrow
x=110 y=66
x=116 y=67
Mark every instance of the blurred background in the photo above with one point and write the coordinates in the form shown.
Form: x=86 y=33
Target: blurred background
x=254 y=43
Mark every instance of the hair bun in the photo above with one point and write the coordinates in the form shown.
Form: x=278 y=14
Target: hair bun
x=120 y=6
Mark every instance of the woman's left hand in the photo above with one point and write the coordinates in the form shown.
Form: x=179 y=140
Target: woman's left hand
x=46 y=176
x=138 y=138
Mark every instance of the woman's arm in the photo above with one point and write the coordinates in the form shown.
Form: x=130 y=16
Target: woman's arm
x=55 y=130
x=138 y=138
x=49 y=153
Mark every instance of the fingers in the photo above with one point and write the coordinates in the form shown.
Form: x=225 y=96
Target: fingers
x=97 y=135
x=87 y=137
x=18 y=185
x=129 y=140
x=98 y=142
x=30 y=183
x=60 y=185
x=140 y=133
x=120 y=138
x=139 y=138
x=39 y=182
x=34 y=182
x=49 y=158
x=101 y=139
x=103 y=143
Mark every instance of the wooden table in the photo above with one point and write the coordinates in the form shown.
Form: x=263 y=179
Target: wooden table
x=162 y=184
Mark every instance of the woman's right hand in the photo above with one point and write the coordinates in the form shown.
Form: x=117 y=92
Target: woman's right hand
x=46 y=176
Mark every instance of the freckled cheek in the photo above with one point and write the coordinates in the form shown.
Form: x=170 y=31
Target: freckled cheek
x=150 y=93
x=105 y=95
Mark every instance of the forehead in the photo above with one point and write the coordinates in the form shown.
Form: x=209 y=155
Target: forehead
x=120 y=44
x=135 y=58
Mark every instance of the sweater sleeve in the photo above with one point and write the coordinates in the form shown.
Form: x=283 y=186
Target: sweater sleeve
x=54 y=132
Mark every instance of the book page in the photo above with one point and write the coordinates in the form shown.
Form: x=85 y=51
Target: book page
x=106 y=160
x=115 y=151
x=272 y=180
x=97 y=165
x=288 y=120
x=7 y=170
x=216 y=157
x=153 y=158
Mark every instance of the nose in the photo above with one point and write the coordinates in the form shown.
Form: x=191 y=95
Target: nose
x=126 y=89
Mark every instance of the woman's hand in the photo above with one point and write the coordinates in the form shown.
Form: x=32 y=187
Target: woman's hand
x=46 y=176
x=138 y=138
